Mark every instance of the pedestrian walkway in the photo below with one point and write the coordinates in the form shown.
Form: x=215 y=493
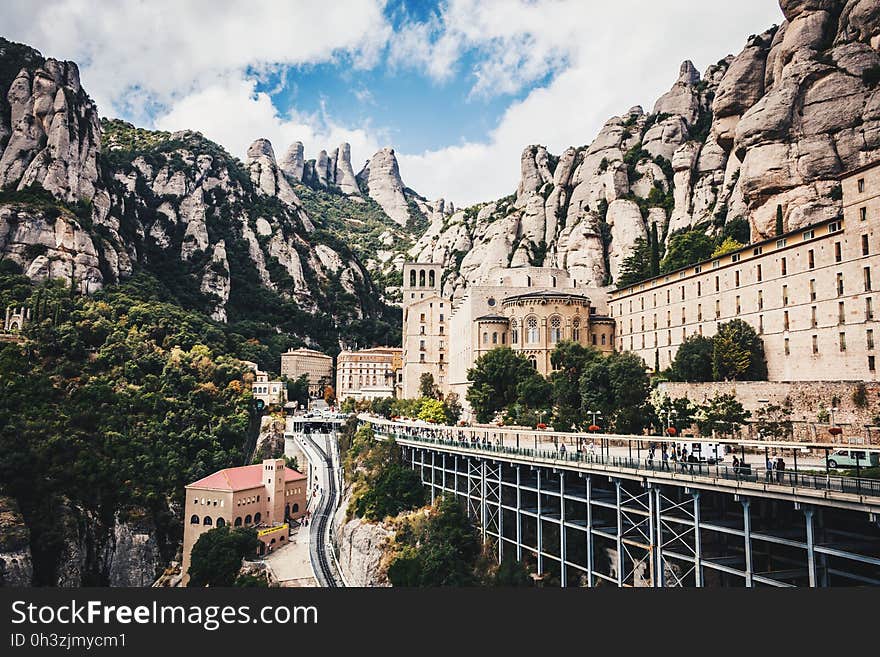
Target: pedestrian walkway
x=291 y=564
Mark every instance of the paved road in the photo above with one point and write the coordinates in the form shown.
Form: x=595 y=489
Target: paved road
x=291 y=564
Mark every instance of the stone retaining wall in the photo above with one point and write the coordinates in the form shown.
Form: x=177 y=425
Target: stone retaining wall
x=806 y=397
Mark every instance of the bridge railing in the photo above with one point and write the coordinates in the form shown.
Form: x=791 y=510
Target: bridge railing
x=748 y=473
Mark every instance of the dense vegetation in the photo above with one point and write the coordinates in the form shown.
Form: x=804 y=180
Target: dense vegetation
x=734 y=353
x=216 y=556
x=278 y=321
x=112 y=404
x=506 y=386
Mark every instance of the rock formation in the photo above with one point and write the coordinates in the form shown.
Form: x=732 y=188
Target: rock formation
x=773 y=126
x=381 y=177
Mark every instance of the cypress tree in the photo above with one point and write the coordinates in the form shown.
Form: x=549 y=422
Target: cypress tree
x=779 y=227
x=655 y=251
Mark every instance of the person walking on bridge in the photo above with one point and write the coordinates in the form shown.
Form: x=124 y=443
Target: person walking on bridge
x=665 y=457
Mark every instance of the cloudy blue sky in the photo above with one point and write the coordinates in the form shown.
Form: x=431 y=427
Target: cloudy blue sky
x=457 y=87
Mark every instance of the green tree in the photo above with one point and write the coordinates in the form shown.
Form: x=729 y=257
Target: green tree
x=722 y=414
x=396 y=488
x=495 y=378
x=533 y=400
x=685 y=249
x=780 y=228
x=432 y=410
x=427 y=387
x=728 y=245
x=655 y=249
x=217 y=554
x=637 y=265
x=569 y=360
x=441 y=551
x=512 y=573
x=774 y=421
x=298 y=390
x=452 y=408
x=738 y=353
x=693 y=360
x=617 y=386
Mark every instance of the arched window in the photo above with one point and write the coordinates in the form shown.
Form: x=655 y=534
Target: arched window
x=238 y=521
x=576 y=329
x=533 y=362
x=207 y=521
x=555 y=329
x=412 y=277
x=257 y=518
x=221 y=522
x=494 y=337
x=532 y=330
x=431 y=278
x=421 y=278
x=514 y=332
x=485 y=338
x=247 y=519
x=296 y=508
x=194 y=520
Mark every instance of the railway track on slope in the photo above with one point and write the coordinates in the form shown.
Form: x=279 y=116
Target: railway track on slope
x=324 y=571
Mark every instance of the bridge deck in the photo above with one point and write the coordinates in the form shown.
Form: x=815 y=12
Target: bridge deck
x=844 y=492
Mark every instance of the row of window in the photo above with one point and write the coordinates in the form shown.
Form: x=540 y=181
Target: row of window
x=869 y=341
x=759 y=276
x=785 y=301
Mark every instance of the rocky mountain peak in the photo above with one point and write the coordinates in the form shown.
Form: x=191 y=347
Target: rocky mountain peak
x=266 y=175
x=381 y=176
x=292 y=162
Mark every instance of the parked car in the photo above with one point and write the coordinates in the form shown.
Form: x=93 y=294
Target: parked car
x=849 y=458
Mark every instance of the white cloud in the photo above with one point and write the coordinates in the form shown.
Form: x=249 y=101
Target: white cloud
x=191 y=65
x=169 y=48
x=231 y=112
x=616 y=55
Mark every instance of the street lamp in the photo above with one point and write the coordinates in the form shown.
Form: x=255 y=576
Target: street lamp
x=594 y=426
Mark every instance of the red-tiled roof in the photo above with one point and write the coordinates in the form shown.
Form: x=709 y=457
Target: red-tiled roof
x=241 y=478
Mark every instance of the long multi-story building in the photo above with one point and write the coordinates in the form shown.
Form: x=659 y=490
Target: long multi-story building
x=313 y=364
x=810 y=293
x=368 y=373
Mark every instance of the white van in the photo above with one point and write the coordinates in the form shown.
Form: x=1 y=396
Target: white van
x=846 y=458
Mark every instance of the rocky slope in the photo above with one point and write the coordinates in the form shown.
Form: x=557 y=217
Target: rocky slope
x=90 y=201
x=770 y=127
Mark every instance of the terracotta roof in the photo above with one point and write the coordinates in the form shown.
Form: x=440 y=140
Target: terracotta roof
x=241 y=478
x=492 y=318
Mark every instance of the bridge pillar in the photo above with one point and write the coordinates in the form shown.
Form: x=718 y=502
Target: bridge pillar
x=655 y=537
x=811 y=553
x=589 y=531
x=433 y=470
x=483 y=498
x=455 y=478
x=698 y=543
x=443 y=478
x=747 y=536
x=562 y=576
x=540 y=530
x=518 y=515
x=500 y=517
x=620 y=559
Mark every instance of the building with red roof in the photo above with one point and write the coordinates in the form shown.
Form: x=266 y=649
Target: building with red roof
x=265 y=496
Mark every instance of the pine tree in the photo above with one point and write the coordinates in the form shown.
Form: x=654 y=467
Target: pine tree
x=779 y=225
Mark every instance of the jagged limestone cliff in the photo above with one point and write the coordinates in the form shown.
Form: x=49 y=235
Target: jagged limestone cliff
x=770 y=127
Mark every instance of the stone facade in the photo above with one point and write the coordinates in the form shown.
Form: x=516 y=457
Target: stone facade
x=810 y=403
x=264 y=496
x=811 y=294
x=368 y=373
x=316 y=366
x=16 y=319
x=527 y=308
